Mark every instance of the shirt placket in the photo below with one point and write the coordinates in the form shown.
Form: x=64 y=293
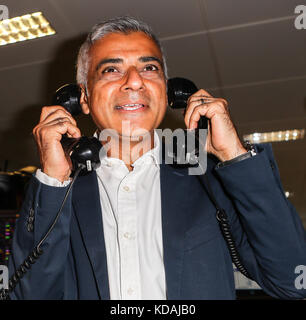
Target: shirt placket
x=128 y=244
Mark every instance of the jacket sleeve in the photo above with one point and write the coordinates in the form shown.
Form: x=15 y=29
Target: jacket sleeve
x=45 y=279
x=268 y=231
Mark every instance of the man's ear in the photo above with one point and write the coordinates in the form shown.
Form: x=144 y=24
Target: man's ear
x=84 y=100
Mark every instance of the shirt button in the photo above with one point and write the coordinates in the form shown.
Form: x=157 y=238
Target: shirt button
x=127 y=235
x=130 y=291
x=109 y=164
x=126 y=188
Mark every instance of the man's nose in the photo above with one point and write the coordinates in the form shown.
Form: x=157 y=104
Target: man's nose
x=133 y=80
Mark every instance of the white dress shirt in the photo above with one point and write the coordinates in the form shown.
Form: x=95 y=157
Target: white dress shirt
x=131 y=213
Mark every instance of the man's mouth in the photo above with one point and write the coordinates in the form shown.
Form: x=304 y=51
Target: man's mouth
x=130 y=107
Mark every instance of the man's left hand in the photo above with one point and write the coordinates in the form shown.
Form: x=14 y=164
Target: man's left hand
x=222 y=139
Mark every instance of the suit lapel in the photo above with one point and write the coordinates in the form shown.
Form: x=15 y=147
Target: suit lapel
x=86 y=202
x=174 y=214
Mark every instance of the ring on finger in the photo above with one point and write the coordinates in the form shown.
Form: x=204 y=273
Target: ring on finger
x=203 y=101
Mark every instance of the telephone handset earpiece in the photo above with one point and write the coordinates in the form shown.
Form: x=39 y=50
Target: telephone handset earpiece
x=83 y=151
x=179 y=90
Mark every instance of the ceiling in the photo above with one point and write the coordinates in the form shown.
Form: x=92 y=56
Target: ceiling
x=245 y=51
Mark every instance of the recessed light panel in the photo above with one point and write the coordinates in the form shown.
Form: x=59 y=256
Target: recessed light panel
x=29 y=26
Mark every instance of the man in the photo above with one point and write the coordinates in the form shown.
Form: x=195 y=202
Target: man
x=139 y=229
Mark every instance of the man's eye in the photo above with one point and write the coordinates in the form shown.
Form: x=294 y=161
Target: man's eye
x=109 y=70
x=151 y=67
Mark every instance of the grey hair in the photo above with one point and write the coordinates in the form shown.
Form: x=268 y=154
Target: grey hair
x=123 y=25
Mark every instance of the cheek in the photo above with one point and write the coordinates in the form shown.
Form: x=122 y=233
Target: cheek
x=100 y=101
x=159 y=93
x=162 y=113
x=161 y=102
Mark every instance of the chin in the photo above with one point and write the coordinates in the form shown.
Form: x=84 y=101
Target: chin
x=137 y=132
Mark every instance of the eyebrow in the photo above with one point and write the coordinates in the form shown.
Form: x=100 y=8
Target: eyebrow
x=108 y=60
x=119 y=60
x=150 y=58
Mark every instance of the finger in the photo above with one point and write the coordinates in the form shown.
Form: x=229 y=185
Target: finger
x=64 y=126
x=201 y=99
x=205 y=99
x=47 y=110
x=208 y=110
x=57 y=114
x=191 y=106
x=200 y=93
x=195 y=116
x=189 y=110
x=50 y=121
x=55 y=130
x=72 y=130
x=198 y=100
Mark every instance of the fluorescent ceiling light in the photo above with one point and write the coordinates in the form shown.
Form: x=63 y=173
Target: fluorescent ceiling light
x=29 y=26
x=275 y=136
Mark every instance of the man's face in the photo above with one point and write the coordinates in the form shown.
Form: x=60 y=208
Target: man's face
x=126 y=83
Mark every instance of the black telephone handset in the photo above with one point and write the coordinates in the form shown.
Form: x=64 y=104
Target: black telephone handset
x=179 y=90
x=83 y=151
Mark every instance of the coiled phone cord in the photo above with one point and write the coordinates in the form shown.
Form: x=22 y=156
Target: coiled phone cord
x=221 y=217
x=37 y=251
x=226 y=230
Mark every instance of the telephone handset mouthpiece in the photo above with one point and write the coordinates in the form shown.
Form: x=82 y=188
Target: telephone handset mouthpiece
x=83 y=151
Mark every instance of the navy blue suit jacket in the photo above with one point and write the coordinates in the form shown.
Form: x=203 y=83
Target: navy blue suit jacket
x=267 y=230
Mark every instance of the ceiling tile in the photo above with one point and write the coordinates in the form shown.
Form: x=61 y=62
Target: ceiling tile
x=222 y=13
x=265 y=52
x=268 y=103
x=190 y=57
x=34 y=84
x=167 y=18
x=28 y=80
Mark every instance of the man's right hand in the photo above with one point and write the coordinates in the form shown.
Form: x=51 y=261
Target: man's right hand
x=54 y=122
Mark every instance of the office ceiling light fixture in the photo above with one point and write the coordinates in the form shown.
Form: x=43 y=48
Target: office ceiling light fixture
x=29 y=26
x=275 y=136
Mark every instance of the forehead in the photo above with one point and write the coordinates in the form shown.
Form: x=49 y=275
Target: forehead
x=119 y=45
